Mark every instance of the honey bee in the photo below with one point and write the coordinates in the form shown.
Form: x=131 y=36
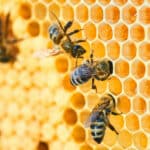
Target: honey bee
x=90 y=69
x=98 y=119
x=57 y=32
x=8 y=50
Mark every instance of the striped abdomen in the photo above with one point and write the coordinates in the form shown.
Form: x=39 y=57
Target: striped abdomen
x=98 y=129
x=81 y=75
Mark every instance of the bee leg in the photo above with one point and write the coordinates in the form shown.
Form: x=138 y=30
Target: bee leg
x=93 y=85
x=115 y=113
x=112 y=128
x=74 y=31
x=79 y=41
x=7 y=25
x=67 y=26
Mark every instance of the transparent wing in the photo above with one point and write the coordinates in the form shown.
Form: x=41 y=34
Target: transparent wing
x=46 y=53
x=92 y=118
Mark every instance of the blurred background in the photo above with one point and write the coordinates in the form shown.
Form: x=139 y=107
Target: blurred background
x=41 y=110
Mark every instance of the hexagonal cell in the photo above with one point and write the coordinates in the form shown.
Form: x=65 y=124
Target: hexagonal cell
x=124 y=104
x=110 y=137
x=115 y=85
x=67 y=12
x=44 y=28
x=121 y=32
x=66 y=83
x=75 y=1
x=125 y=139
x=145 y=122
x=122 y=68
x=70 y=116
x=129 y=14
x=104 y=2
x=25 y=10
x=137 y=33
x=99 y=49
x=40 y=11
x=42 y=146
x=90 y=31
x=77 y=99
x=137 y=2
x=61 y=64
x=105 y=31
x=139 y=105
x=113 y=50
x=145 y=87
x=138 y=69
x=89 y=1
x=117 y=121
x=130 y=87
x=132 y=122
x=33 y=28
x=144 y=15
x=129 y=50
x=101 y=86
x=140 y=140
x=82 y=13
x=96 y=13
x=144 y=51
x=78 y=134
x=84 y=115
x=120 y=2
x=86 y=147
x=92 y=100
x=112 y=14
x=61 y=1
x=53 y=7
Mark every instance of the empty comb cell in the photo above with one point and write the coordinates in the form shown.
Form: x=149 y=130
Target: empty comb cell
x=121 y=32
x=129 y=14
x=139 y=105
x=145 y=87
x=25 y=10
x=89 y=1
x=96 y=13
x=130 y=87
x=145 y=123
x=40 y=11
x=104 y=2
x=137 y=2
x=113 y=49
x=144 y=15
x=105 y=32
x=129 y=50
x=112 y=14
x=120 y=2
x=140 y=140
x=86 y=147
x=137 y=33
x=123 y=101
x=68 y=13
x=132 y=122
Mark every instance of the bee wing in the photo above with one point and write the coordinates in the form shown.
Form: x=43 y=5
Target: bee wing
x=92 y=118
x=46 y=53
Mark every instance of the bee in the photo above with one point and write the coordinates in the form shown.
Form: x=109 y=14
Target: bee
x=90 y=69
x=98 y=119
x=8 y=50
x=57 y=32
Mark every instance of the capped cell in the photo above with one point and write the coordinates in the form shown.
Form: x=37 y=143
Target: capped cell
x=105 y=32
x=122 y=68
x=112 y=14
x=113 y=49
x=129 y=14
x=138 y=69
x=121 y=32
x=144 y=15
x=137 y=33
x=129 y=50
x=96 y=13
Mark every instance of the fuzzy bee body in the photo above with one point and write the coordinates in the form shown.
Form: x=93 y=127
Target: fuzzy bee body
x=98 y=119
x=99 y=70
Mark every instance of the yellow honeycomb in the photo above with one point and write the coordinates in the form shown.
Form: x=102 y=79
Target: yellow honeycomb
x=41 y=110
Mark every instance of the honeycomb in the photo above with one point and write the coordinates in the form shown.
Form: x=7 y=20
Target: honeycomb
x=41 y=110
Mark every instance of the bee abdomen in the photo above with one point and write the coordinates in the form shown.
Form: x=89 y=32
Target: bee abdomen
x=98 y=131
x=81 y=75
